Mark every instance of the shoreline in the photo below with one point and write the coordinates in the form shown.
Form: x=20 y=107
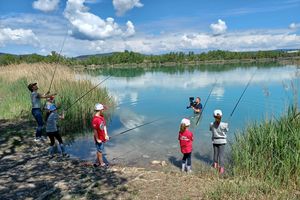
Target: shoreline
x=26 y=172
x=283 y=61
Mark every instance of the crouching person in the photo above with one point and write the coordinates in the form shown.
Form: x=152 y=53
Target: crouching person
x=53 y=132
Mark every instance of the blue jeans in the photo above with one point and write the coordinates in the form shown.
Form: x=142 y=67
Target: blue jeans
x=37 y=114
x=100 y=149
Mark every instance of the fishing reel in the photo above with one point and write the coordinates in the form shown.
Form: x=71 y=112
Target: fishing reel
x=192 y=103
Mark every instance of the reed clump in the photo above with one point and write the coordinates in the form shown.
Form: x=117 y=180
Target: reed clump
x=15 y=97
x=270 y=151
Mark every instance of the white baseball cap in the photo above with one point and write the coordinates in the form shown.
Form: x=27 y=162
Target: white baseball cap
x=99 y=106
x=185 y=121
x=217 y=112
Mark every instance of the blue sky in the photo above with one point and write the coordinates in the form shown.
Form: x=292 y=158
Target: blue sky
x=147 y=26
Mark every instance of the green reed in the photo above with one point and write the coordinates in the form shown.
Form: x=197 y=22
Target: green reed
x=270 y=151
x=15 y=97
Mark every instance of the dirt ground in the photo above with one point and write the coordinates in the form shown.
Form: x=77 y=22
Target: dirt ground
x=27 y=172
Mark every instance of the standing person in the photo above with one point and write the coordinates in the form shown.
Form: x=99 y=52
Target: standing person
x=197 y=107
x=36 y=108
x=100 y=134
x=50 y=101
x=219 y=130
x=52 y=130
x=186 y=144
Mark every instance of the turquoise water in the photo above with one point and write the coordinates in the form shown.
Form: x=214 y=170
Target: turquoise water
x=163 y=93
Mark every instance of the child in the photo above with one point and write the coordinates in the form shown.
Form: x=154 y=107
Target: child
x=218 y=130
x=52 y=130
x=50 y=101
x=100 y=134
x=186 y=144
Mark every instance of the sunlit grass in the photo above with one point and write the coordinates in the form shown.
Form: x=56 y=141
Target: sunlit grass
x=270 y=151
x=15 y=97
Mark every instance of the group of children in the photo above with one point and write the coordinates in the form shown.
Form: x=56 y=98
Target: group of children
x=185 y=137
x=218 y=129
x=51 y=118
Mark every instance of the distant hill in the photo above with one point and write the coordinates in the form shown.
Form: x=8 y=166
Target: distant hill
x=82 y=57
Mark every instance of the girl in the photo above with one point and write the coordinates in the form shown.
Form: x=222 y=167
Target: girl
x=218 y=130
x=186 y=144
x=52 y=130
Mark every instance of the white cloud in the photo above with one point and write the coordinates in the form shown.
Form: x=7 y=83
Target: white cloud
x=122 y=6
x=218 y=28
x=89 y=26
x=45 y=5
x=294 y=26
x=17 y=36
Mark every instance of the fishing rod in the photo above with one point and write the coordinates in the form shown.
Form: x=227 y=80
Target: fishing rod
x=241 y=95
x=86 y=94
x=200 y=115
x=57 y=62
x=121 y=133
x=49 y=90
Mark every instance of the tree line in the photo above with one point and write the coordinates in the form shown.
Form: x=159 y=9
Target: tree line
x=129 y=57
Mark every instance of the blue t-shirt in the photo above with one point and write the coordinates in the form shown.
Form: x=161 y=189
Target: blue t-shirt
x=198 y=106
x=51 y=125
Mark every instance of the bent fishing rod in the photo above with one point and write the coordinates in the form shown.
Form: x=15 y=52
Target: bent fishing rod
x=200 y=115
x=241 y=96
x=86 y=94
x=62 y=46
x=141 y=125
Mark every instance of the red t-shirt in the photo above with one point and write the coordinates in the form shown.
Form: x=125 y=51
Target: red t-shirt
x=98 y=124
x=186 y=141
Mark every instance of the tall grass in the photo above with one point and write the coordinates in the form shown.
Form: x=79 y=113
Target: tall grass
x=15 y=97
x=270 y=151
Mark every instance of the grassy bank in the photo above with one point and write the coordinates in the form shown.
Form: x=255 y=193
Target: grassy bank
x=26 y=172
x=270 y=151
x=15 y=97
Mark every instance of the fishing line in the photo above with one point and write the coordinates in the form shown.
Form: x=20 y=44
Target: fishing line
x=241 y=95
x=86 y=94
x=123 y=132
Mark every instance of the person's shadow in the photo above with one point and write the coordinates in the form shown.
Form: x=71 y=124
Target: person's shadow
x=204 y=158
x=173 y=160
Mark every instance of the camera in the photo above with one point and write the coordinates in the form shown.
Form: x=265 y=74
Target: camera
x=192 y=103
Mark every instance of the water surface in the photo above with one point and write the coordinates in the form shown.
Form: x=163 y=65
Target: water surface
x=145 y=95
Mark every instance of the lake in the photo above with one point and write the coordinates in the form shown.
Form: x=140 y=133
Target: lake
x=144 y=95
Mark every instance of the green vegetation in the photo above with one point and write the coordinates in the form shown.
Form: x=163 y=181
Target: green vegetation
x=15 y=97
x=270 y=151
x=128 y=57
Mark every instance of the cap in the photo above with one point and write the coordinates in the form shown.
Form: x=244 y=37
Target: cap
x=99 y=106
x=31 y=85
x=50 y=98
x=52 y=107
x=185 y=121
x=217 y=112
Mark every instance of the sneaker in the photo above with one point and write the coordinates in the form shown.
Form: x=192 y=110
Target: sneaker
x=37 y=139
x=44 y=138
x=65 y=155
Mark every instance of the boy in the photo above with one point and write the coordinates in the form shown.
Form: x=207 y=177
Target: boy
x=100 y=134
